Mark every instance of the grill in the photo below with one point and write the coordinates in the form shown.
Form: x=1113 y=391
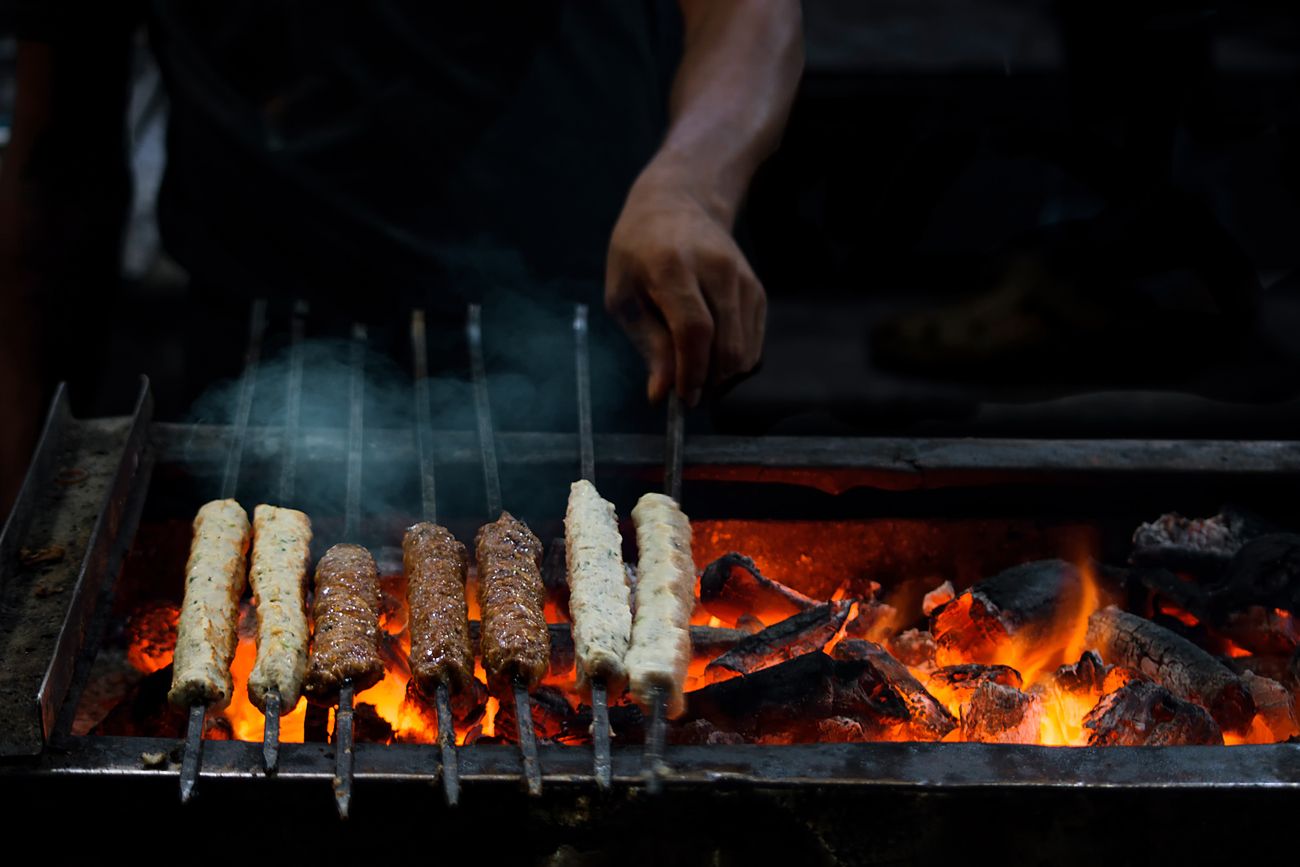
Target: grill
x=94 y=482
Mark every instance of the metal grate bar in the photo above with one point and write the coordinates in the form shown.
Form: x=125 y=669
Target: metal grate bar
x=483 y=411
x=244 y=401
x=293 y=403
x=356 y=432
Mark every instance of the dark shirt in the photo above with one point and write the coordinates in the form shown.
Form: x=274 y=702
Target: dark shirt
x=396 y=152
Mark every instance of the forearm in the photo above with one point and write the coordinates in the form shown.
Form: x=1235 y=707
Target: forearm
x=730 y=99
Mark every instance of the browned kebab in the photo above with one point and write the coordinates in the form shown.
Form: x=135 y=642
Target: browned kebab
x=345 y=654
x=515 y=641
x=442 y=657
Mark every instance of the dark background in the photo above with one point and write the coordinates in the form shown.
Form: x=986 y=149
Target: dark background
x=1145 y=155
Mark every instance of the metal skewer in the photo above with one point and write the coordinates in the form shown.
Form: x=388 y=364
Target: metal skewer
x=492 y=488
x=343 y=749
x=483 y=411
x=429 y=501
x=527 y=738
x=192 y=759
x=657 y=736
x=343 y=734
x=602 y=764
x=288 y=465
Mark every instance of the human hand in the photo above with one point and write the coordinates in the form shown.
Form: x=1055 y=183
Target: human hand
x=677 y=283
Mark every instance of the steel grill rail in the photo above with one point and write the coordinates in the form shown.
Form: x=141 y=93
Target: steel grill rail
x=910 y=463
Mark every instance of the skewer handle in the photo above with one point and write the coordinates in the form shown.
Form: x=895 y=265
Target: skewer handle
x=271 y=732
x=192 y=761
x=656 y=738
x=527 y=739
x=447 y=740
x=600 y=734
x=343 y=749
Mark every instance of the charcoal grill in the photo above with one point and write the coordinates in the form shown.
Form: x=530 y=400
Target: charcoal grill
x=91 y=480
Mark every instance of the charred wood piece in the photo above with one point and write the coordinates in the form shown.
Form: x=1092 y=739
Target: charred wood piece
x=805 y=632
x=701 y=732
x=1000 y=714
x=1275 y=708
x=874 y=620
x=1021 y=602
x=965 y=679
x=941 y=595
x=1088 y=675
x=1143 y=713
x=1201 y=546
x=789 y=700
x=1266 y=631
x=926 y=717
x=914 y=647
x=732 y=586
x=1264 y=665
x=1173 y=662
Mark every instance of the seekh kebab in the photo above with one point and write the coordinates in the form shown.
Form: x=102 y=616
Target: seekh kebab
x=665 y=597
x=516 y=644
x=278 y=575
x=441 y=652
x=345 y=646
x=599 y=598
x=208 y=631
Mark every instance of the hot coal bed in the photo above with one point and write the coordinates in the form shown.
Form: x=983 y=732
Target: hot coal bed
x=899 y=645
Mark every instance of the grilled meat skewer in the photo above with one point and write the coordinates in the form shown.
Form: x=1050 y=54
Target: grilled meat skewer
x=599 y=598
x=441 y=652
x=345 y=646
x=281 y=553
x=516 y=644
x=207 y=633
x=665 y=597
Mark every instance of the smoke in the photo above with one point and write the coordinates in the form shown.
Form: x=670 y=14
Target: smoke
x=528 y=343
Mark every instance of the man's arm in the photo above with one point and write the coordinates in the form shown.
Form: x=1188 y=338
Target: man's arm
x=675 y=279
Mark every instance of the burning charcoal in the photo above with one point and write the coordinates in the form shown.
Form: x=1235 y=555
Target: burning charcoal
x=1022 y=602
x=555 y=575
x=1266 y=571
x=1086 y=675
x=146 y=711
x=803 y=633
x=1203 y=546
x=999 y=714
x=925 y=718
x=701 y=732
x=1275 y=707
x=915 y=647
x=626 y=720
x=941 y=595
x=840 y=730
x=732 y=586
x=151 y=635
x=874 y=621
x=971 y=676
x=553 y=716
x=1269 y=631
x=749 y=623
x=369 y=727
x=1146 y=714
x=1272 y=667
x=784 y=697
x=1175 y=663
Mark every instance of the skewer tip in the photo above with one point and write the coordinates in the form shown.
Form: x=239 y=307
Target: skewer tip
x=447 y=740
x=271 y=733
x=527 y=739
